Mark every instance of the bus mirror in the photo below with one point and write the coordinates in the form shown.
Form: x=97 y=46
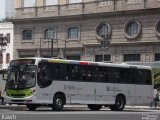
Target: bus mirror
x=4 y=79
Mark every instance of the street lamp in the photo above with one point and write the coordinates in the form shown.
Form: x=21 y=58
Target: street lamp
x=104 y=43
x=52 y=40
x=51 y=48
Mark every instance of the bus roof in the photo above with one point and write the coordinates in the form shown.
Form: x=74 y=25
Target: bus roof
x=77 y=62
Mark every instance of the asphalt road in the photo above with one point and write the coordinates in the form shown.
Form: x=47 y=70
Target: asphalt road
x=79 y=114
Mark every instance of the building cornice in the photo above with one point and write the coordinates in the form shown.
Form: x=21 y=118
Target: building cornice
x=123 y=43
x=84 y=16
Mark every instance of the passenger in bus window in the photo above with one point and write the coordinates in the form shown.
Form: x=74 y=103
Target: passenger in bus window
x=67 y=76
x=89 y=75
x=45 y=76
x=105 y=77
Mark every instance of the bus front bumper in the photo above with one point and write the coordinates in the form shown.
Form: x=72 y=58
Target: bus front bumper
x=21 y=101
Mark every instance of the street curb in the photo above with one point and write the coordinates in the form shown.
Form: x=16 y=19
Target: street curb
x=11 y=107
x=77 y=106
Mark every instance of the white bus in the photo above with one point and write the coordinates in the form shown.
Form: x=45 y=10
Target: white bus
x=55 y=82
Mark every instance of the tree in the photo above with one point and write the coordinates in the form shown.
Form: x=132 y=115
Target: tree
x=4 y=20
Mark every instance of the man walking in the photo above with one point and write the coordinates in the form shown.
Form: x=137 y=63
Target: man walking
x=156 y=97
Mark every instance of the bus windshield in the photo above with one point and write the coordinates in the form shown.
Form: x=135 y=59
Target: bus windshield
x=21 y=76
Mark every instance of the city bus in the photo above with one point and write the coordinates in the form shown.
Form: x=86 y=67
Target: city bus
x=56 y=82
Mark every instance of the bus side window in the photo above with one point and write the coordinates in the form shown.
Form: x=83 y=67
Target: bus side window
x=113 y=75
x=97 y=74
x=78 y=72
x=63 y=72
x=105 y=74
x=55 y=70
x=144 y=77
x=74 y=73
x=148 y=77
x=44 y=75
x=86 y=73
x=89 y=75
x=129 y=75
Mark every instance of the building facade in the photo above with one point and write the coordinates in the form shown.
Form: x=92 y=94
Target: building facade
x=94 y=30
x=9 y=8
x=6 y=44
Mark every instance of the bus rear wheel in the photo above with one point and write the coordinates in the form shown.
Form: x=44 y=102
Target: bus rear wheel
x=119 y=104
x=94 y=107
x=58 y=102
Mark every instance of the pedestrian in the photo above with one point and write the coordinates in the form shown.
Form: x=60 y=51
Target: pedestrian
x=155 y=97
x=2 y=98
x=159 y=96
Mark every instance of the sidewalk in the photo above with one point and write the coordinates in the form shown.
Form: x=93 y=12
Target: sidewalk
x=12 y=106
x=143 y=107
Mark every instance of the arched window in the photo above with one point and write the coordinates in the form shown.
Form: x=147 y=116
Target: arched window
x=157 y=28
x=103 y=30
x=73 y=33
x=132 y=29
x=51 y=2
x=7 y=58
x=49 y=34
x=29 y=3
x=27 y=34
x=74 y=1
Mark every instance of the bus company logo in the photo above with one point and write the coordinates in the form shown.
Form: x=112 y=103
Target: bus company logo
x=72 y=87
x=149 y=117
x=69 y=87
x=110 y=88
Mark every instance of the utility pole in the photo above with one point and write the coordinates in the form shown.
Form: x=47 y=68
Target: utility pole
x=40 y=47
x=52 y=47
x=65 y=49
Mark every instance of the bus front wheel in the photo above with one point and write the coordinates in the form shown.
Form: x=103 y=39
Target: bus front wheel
x=58 y=102
x=94 y=107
